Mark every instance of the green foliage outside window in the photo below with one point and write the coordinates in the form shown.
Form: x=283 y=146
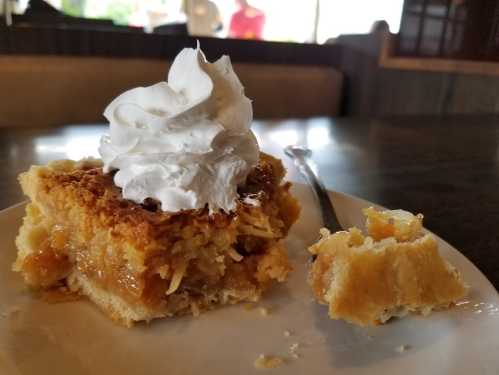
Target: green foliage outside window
x=119 y=11
x=74 y=8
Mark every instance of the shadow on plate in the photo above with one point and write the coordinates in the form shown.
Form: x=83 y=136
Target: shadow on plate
x=351 y=346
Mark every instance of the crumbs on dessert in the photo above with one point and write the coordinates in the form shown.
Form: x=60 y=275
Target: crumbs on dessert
x=96 y=190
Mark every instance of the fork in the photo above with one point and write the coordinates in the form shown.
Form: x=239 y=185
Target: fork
x=301 y=157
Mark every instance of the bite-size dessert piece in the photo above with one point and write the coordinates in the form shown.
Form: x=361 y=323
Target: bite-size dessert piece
x=183 y=213
x=394 y=270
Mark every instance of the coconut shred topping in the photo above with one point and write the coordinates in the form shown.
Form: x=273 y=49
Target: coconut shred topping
x=187 y=142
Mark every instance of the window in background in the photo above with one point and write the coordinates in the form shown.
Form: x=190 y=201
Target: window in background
x=277 y=20
x=460 y=29
x=288 y=21
x=430 y=27
x=356 y=16
x=296 y=20
x=284 y=20
x=135 y=13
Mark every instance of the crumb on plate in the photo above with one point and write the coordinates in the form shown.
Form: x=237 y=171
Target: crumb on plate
x=263 y=311
x=402 y=348
x=11 y=313
x=249 y=306
x=266 y=362
x=293 y=350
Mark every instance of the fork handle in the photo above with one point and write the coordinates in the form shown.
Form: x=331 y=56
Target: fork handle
x=327 y=210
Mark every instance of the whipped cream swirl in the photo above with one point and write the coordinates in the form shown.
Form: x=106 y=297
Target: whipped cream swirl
x=187 y=142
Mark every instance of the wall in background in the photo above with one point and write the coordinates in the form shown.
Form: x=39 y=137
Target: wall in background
x=56 y=90
x=371 y=90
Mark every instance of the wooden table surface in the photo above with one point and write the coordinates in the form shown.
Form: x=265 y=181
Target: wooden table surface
x=444 y=167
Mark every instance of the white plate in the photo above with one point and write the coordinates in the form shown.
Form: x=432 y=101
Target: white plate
x=75 y=338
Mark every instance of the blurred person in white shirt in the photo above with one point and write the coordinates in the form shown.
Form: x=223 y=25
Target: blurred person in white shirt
x=203 y=17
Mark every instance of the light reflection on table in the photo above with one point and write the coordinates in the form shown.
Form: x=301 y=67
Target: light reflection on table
x=73 y=143
x=79 y=141
x=24 y=147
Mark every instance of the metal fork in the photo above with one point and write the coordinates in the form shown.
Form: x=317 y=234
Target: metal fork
x=301 y=157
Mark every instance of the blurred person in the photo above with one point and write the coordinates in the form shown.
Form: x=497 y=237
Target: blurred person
x=16 y=6
x=247 y=22
x=42 y=6
x=380 y=26
x=203 y=17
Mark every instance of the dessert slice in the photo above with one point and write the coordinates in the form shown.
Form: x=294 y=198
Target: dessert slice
x=138 y=262
x=394 y=270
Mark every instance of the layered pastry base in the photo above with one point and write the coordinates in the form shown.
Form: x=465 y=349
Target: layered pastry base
x=137 y=262
x=394 y=270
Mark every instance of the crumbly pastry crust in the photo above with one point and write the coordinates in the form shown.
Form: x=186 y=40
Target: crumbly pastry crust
x=395 y=270
x=139 y=263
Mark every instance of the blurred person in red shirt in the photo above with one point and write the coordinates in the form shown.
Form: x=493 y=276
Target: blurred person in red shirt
x=247 y=22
